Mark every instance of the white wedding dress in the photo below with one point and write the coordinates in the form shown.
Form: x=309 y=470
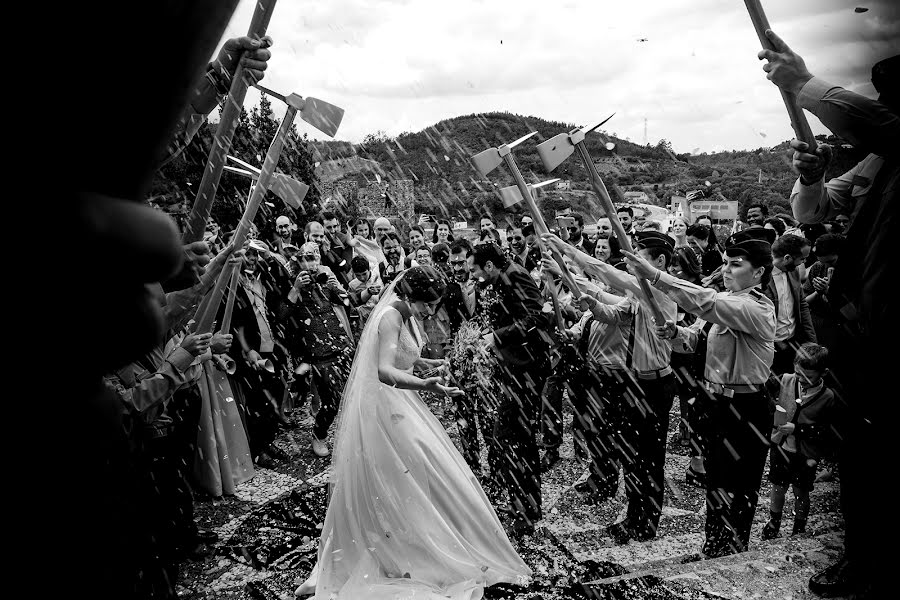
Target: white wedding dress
x=407 y=519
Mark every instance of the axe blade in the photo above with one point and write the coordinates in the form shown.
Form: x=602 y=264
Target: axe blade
x=600 y=124
x=291 y=191
x=555 y=150
x=487 y=161
x=324 y=116
x=520 y=140
x=510 y=196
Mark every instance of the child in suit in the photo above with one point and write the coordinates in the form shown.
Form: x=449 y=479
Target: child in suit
x=804 y=432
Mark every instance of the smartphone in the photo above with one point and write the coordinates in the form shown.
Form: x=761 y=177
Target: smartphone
x=830 y=273
x=565 y=222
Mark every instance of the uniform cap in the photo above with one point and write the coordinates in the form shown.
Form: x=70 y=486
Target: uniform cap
x=654 y=239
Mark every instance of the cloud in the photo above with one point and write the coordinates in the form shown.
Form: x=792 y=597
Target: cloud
x=403 y=65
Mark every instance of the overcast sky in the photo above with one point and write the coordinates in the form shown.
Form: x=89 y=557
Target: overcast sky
x=401 y=65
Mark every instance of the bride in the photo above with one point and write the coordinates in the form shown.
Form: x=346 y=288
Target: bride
x=407 y=518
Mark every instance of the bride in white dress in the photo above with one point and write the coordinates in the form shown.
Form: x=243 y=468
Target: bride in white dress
x=407 y=518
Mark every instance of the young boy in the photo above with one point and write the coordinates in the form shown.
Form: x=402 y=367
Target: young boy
x=803 y=433
x=365 y=288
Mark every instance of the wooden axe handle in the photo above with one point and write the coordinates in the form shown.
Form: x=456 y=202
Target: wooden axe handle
x=228 y=121
x=539 y=225
x=798 y=120
x=610 y=210
x=205 y=321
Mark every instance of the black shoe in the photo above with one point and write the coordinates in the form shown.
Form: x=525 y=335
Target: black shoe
x=550 y=458
x=799 y=527
x=205 y=536
x=695 y=478
x=265 y=461
x=276 y=452
x=770 y=531
x=521 y=527
x=620 y=533
x=837 y=580
x=590 y=487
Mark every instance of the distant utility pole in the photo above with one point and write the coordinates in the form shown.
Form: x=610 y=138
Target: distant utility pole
x=760 y=176
x=646 y=140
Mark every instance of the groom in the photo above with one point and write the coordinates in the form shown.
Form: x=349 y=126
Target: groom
x=520 y=343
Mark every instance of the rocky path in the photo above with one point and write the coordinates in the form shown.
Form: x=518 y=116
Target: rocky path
x=268 y=534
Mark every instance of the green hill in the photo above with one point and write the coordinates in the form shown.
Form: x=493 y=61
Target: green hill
x=437 y=160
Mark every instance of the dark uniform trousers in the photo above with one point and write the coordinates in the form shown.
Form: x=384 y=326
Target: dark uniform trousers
x=476 y=411
x=330 y=377
x=519 y=467
x=625 y=421
x=261 y=393
x=736 y=430
x=568 y=368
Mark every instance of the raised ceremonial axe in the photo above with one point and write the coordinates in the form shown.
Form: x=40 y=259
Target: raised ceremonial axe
x=313 y=111
x=291 y=191
x=560 y=147
x=488 y=160
x=798 y=120
x=228 y=122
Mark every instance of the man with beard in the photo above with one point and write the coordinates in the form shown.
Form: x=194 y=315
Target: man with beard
x=319 y=334
x=576 y=235
x=523 y=253
x=393 y=256
x=284 y=235
x=459 y=304
x=520 y=343
x=794 y=324
x=258 y=301
x=335 y=261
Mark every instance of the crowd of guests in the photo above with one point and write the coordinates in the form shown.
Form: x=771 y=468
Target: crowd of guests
x=779 y=360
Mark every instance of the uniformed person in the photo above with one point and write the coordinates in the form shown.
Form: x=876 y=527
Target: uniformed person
x=740 y=348
x=641 y=396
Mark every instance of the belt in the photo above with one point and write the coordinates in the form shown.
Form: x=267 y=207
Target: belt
x=653 y=373
x=730 y=389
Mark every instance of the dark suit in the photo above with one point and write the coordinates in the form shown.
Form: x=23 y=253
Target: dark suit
x=585 y=245
x=523 y=355
x=471 y=409
x=803 y=325
x=261 y=391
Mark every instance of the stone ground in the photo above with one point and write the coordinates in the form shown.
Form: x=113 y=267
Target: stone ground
x=268 y=536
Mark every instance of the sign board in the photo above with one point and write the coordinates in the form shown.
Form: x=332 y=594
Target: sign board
x=716 y=209
x=460 y=225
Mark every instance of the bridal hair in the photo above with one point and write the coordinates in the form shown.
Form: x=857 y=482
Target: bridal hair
x=421 y=284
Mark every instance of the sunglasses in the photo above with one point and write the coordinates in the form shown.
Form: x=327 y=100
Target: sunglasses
x=310 y=257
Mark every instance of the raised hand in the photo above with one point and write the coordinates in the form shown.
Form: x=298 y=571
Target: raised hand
x=639 y=267
x=811 y=167
x=252 y=54
x=196 y=343
x=785 y=68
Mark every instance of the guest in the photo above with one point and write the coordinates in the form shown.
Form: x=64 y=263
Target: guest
x=441 y=232
x=702 y=239
x=679 y=232
x=365 y=288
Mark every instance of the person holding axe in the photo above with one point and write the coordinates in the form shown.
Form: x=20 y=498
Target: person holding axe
x=648 y=389
x=861 y=288
x=739 y=329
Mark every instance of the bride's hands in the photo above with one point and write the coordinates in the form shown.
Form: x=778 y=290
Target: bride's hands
x=436 y=385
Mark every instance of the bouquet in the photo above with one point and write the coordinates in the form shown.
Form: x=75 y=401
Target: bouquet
x=472 y=364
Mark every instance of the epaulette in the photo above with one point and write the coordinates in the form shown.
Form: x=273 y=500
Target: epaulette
x=760 y=296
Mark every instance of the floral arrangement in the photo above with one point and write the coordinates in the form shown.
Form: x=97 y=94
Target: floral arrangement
x=472 y=364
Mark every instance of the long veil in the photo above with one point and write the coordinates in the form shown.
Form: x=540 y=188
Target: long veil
x=363 y=372
x=406 y=516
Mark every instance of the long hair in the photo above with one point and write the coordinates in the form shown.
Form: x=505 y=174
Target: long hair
x=686 y=260
x=434 y=235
